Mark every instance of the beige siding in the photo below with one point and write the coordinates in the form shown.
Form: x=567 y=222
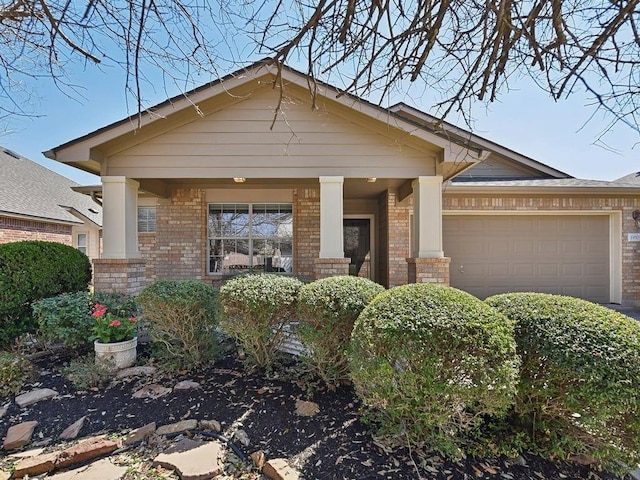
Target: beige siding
x=304 y=143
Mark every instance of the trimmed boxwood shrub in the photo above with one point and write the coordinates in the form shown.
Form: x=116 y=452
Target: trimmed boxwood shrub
x=326 y=311
x=33 y=270
x=579 y=388
x=431 y=361
x=181 y=319
x=255 y=310
x=67 y=318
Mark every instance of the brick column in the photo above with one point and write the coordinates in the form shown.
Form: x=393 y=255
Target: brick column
x=119 y=275
x=429 y=270
x=330 y=267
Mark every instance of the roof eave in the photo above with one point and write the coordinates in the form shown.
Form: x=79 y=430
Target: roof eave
x=453 y=188
x=36 y=218
x=480 y=141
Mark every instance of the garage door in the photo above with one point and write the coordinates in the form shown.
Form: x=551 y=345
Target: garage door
x=566 y=254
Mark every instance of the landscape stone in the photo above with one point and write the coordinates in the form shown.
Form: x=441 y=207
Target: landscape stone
x=259 y=459
x=3 y=410
x=186 y=385
x=139 y=434
x=35 y=396
x=213 y=425
x=636 y=474
x=137 y=371
x=4 y=475
x=73 y=430
x=279 y=469
x=27 y=453
x=193 y=460
x=19 y=435
x=100 y=470
x=178 y=427
x=152 y=391
x=306 y=409
x=87 y=450
x=35 y=465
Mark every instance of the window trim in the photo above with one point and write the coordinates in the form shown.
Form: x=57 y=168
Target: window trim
x=86 y=242
x=147 y=221
x=250 y=237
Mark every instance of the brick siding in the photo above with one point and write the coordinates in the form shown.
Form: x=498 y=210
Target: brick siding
x=17 y=229
x=147 y=246
x=394 y=238
x=429 y=270
x=119 y=275
x=306 y=231
x=330 y=267
x=180 y=244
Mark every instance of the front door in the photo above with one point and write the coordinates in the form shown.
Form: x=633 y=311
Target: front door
x=357 y=246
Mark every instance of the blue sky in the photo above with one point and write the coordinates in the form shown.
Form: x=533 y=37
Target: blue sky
x=524 y=120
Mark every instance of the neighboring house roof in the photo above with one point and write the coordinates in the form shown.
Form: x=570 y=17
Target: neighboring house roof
x=632 y=178
x=84 y=152
x=29 y=190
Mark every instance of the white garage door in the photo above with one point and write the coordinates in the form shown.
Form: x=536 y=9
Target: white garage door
x=563 y=254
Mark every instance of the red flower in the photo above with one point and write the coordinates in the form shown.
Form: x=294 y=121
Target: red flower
x=115 y=323
x=133 y=319
x=99 y=310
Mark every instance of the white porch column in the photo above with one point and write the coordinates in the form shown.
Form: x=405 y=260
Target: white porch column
x=119 y=217
x=331 y=208
x=427 y=217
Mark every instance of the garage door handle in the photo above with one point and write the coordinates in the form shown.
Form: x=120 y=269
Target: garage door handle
x=461 y=268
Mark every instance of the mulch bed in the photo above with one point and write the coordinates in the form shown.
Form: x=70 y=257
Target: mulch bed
x=334 y=444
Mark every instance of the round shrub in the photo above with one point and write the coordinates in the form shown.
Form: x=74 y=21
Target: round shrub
x=67 y=319
x=180 y=317
x=326 y=311
x=432 y=361
x=578 y=391
x=33 y=270
x=255 y=310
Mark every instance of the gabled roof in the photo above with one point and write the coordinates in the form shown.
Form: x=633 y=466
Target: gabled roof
x=85 y=152
x=632 y=178
x=29 y=190
x=465 y=137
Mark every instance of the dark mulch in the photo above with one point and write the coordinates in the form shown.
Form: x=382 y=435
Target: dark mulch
x=333 y=445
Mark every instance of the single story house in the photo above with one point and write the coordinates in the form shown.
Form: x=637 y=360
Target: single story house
x=249 y=173
x=39 y=204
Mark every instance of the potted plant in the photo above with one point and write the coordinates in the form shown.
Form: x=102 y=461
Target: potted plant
x=115 y=338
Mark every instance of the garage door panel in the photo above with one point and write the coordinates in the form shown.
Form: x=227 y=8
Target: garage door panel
x=564 y=254
x=548 y=269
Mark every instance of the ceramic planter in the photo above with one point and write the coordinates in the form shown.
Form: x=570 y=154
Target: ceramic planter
x=118 y=354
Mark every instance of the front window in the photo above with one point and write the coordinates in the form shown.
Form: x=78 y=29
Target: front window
x=146 y=219
x=250 y=237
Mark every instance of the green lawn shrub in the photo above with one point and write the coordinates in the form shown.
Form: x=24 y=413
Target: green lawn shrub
x=15 y=371
x=432 y=361
x=66 y=318
x=326 y=311
x=32 y=270
x=180 y=316
x=255 y=309
x=579 y=389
